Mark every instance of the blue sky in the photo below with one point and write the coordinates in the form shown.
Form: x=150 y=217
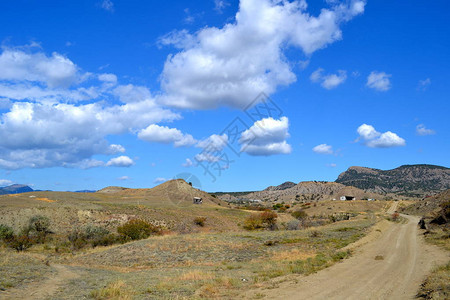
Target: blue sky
x=132 y=93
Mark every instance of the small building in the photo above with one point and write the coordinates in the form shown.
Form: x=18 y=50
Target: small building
x=197 y=200
x=347 y=198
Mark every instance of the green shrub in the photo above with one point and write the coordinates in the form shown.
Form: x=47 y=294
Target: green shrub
x=106 y=240
x=266 y=219
x=253 y=222
x=21 y=242
x=299 y=214
x=137 y=229
x=77 y=239
x=293 y=225
x=200 y=221
x=38 y=228
x=39 y=224
x=92 y=232
x=6 y=233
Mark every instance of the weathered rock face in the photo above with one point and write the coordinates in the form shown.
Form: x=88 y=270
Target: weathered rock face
x=407 y=180
x=283 y=186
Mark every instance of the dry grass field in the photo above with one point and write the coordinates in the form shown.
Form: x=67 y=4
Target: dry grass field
x=215 y=259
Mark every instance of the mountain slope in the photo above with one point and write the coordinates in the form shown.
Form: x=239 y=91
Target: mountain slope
x=15 y=189
x=407 y=180
x=283 y=186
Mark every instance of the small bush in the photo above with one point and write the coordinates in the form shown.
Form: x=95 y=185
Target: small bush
x=253 y=222
x=92 y=232
x=200 y=221
x=21 y=242
x=38 y=228
x=315 y=233
x=107 y=240
x=39 y=224
x=395 y=216
x=6 y=233
x=266 y=219
x=137 y=229
x=293 y=225
x=77 y=240
x=299 y=214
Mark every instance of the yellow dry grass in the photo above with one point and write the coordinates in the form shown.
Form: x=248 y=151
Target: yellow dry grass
x=292 y=255
x=196 y=275
x=114 y=290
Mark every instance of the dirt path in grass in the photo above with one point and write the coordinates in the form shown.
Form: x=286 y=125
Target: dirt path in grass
x=42 y=289
x=390 y=264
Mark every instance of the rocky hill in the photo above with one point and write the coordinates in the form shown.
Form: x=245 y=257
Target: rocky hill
x=407 y=180
x=283 y=186
x=15 y=189
x=176 y=191
x=312 y=191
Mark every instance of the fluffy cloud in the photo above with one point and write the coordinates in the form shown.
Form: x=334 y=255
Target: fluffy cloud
x=329 y=81
x=231 y=65
x=53 y=71
x=47 y=122
x=323 y=149
x=422 y=130
x=266 y=137
x=163 y=134
x=5 y=182
x=188 y=163
x=123 y=178
x=121 y=161
x=214 y=142
x=375 y=139
x=379 y=81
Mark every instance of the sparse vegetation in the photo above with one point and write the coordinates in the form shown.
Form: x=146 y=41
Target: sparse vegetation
x=299 y=214
x=200 y=221
x=137 y=229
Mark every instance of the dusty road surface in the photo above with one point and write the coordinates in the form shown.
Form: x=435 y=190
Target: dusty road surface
x=390 y=264
x=44 y=289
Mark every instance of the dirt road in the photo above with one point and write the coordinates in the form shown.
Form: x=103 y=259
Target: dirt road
x=390 y=266
x=43 y=289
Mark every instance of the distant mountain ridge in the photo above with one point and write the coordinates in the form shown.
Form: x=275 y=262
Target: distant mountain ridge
x=15 y=189
x=406 y=180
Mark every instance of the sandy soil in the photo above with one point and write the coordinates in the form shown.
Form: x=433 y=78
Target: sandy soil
x=403 y=261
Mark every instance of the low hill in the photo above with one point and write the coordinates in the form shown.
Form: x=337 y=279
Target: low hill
x=175 y=191
x=283 y=186
x=15 y=189
x=428 y=206
x=407 y=180
x=312 y=191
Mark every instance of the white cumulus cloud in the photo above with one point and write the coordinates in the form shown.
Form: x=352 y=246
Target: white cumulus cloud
x=266 y=137
x=121 y=161
x=375 y=139
x=379 y=81
x=323 y=149
x=231 y=65
x=163 y=134
x=54 y=71
x=329 y=81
